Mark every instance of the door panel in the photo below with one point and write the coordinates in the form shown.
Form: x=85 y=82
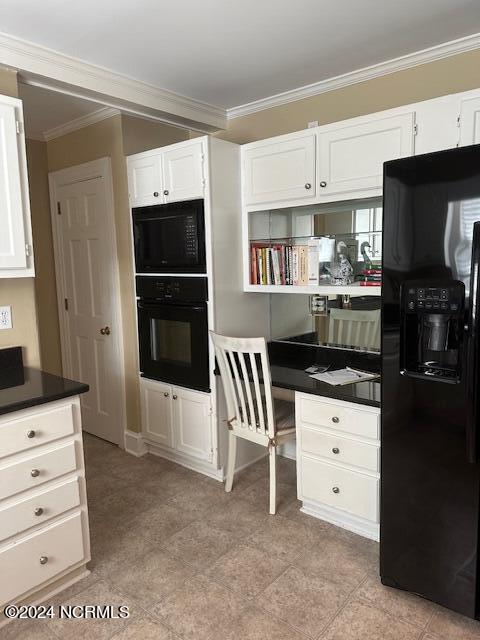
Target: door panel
x=183 y=173
x=192 y=424
x=157 y=419
x=145 y=180
x=470 y=122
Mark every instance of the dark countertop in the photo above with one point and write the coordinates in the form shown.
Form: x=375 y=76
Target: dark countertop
x=25 y=387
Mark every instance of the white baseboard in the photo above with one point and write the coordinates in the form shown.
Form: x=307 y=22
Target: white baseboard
x=185 y=461
x=134 y=443
x=345 y=520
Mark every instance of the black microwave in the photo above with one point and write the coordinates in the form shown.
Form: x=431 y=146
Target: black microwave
x=170 y=238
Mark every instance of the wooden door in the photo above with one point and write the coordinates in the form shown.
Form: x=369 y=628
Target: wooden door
x=183 y=177
x=145 y=180
x=157 y=419
x=192 y=422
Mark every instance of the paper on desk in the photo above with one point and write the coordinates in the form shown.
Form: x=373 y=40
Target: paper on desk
x=344 y=376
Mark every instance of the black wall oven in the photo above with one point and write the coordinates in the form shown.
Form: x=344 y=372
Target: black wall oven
x=173 y=330
x=170 y=238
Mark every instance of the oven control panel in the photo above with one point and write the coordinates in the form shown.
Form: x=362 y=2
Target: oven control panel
x=172 y=288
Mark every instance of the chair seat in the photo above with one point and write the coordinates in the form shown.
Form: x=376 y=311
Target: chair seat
x=284 y=414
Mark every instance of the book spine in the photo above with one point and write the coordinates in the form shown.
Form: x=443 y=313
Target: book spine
x=313 y=275
x=295 y=265
x=366 y=283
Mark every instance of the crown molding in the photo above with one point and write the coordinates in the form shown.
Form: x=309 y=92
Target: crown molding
x=35 y=62
x=80 y=123
x=407 y=61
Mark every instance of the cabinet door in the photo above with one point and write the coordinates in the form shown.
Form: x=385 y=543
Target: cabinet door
x=12 y=225
x=470 y=122
x=145 y=180
x=350 y=159
x=183 y=173
x=157 y=423
x=280 y=170
x=192 y=423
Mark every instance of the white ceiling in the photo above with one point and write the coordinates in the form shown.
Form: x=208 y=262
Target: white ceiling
x=44 y=110
x=231 y=52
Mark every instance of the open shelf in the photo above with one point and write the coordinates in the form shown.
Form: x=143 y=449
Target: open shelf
x=324 y=290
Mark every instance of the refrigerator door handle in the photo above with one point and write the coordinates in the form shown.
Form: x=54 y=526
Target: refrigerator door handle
x=472 y=348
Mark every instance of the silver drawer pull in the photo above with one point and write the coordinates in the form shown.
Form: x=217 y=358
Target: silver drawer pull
x=43 y=559
x=336 y=490
x=35 y=473
x=335 y=419
x=335 y=450
x=38 y=511
x=31 y=433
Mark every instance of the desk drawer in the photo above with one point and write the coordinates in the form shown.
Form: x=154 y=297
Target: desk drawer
x=338 y=449
x=37 y=469
x=339 y=417
x=346 y=490
x=38 y=427
x=42 y=506
x=59 y=546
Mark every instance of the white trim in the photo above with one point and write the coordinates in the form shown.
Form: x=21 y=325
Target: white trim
x=80 y=123
x=184 y=460
x=342 y=519
x=431 y=54
x=100 y=83
x=134 y=443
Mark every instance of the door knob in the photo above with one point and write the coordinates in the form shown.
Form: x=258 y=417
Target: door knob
x=105 y=331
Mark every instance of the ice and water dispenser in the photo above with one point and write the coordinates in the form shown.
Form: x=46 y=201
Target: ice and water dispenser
x=432 y=326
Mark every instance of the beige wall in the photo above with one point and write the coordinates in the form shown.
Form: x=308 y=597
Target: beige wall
x=19 y=293
x=142 y=135
x=450 y=75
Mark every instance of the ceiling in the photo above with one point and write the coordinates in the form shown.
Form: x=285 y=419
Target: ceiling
x=229 y=52
x=44 y=110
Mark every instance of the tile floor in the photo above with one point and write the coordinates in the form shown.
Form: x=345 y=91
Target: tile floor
x=194 y=563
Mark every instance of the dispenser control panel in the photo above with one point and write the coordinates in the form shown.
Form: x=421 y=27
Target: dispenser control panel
x=434 y=299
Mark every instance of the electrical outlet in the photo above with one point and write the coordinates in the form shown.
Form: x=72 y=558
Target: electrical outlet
x=6 y=317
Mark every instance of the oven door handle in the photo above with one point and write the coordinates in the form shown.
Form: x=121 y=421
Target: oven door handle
x=158 y=305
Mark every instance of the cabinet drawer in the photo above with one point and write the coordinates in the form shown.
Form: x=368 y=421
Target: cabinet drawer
x=60 y=546
x=42 y=506
x=22 y=475
x=338 y=449
x=38 y=428
x=357 y=493
x=338 y=417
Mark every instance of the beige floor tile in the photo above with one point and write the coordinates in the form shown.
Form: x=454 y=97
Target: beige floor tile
x=101 y=485
x=101 y=594
x=199 y=499
x=303 y=601
x=246 y=570
x=200 y=610
x=238 y=516
x=145 y=628
x=123 y=505
x=151 y=577
x=256 y=624
x=160 y=521
x=199 y=544
x=361 y=621
x=399 y=603
x=282 y=538
x=169 y=483
x=258 y=493
x=26 y=630
x=448 y=625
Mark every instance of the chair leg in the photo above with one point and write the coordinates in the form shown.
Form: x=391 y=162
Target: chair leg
x=272 y=454
x=232 y=453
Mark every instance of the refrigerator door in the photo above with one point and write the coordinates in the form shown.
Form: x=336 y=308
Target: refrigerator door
x=429 y=477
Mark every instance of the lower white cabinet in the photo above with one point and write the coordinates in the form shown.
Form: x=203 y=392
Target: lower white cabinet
x=338 y=462
x=178 y=420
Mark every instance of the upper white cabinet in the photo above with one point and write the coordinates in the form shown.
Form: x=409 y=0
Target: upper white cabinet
x=350 y=158
x=280 y=170
x=16 y=259
x=470 y=122
x=172 y=174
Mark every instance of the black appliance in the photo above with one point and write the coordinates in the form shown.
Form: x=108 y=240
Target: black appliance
x=173 y=330
x=170 y=238
x=430 y=480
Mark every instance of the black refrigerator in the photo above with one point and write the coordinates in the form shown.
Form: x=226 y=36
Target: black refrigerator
x=430 y=474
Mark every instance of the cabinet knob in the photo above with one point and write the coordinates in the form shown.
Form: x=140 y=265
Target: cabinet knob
x=308 y=185
x=335 y=419
x=155 y=194
x=174 y=397
x=31 y=433
x=38 y=511
x=43 y=559
x=166 y=394
x=35 y=473
x=323 y=184
x=165 y=192
x=335 y=450
x=336 y=490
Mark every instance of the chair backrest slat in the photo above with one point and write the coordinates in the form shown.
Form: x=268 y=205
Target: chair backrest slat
x=258 y=393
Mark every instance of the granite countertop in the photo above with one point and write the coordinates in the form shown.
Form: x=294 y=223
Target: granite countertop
x=25 y=387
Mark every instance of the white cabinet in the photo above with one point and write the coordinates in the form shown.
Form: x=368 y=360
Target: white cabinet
x=470 y=121
x=351 y=157
x=177 y=419
x=338 y=462
x=16 y=259
x=170 y=174
x=280 y=170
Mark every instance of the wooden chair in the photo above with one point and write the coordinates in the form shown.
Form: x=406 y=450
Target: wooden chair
x=354 y=327
x=252 y=412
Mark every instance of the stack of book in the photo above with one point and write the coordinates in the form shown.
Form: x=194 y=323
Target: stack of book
x=370 y=277
x=278 y=264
